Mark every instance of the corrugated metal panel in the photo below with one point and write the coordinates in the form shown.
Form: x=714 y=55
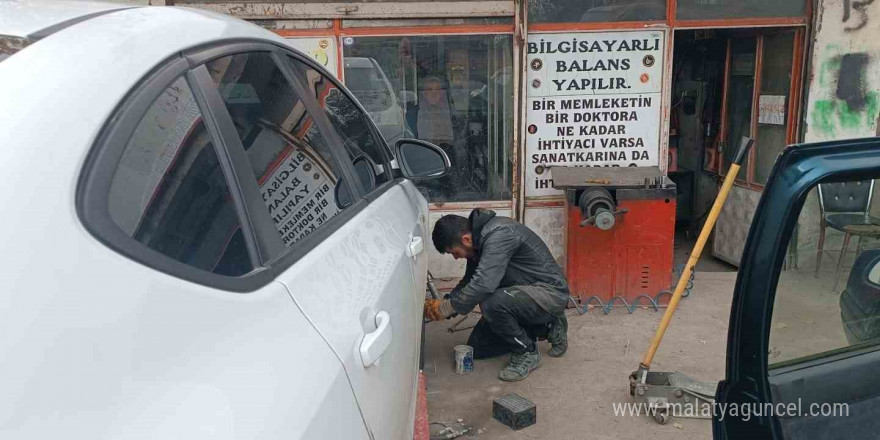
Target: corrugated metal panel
x=733 y=224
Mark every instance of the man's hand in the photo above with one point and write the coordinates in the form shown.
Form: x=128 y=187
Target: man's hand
x=438 y=309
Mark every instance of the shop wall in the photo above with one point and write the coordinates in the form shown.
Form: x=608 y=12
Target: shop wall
x=445 y=267
x=549 y=224
x=843 y=93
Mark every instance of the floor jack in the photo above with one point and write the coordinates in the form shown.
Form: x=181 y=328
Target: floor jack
x=662 y=391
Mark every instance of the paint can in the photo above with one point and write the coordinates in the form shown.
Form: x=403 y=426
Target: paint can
x=464 y=359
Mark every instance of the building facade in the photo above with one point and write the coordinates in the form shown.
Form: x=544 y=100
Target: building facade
x=510 y=88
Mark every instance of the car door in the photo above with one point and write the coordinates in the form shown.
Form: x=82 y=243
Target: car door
x=378 y=266
x=803 y=352
x=165 y=322
x=350 y=233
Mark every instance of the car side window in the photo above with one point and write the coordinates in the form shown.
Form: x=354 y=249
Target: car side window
x=365 y=150
x=169 y=191
x=828 y=299
x=299 y=178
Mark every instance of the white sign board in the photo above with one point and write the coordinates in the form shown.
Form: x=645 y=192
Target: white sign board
x=299 y=194
x=321 y=49
x=771 y=109
x=593 y=100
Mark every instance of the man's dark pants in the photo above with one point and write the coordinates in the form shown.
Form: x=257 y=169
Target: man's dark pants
x=511 y=322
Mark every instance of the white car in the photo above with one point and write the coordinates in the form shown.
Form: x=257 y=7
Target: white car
x=369 y=84
x=204 y=235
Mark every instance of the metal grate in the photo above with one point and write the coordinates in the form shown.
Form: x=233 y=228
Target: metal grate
x=514 y=403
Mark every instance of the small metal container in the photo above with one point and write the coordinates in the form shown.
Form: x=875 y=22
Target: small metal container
x=464 y=359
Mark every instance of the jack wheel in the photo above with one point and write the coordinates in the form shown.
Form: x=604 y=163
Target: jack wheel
x=661 y=417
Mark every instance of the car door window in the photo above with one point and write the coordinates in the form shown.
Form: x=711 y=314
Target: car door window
x=365 y=150
x=828 y=301
x=299 y=178
x=169 y=191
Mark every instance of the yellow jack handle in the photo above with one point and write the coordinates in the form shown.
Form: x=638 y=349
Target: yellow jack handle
x=645 y=365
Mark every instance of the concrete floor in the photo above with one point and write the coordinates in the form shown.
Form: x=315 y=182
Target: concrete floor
x=681 y=251
x=575 y=394
x=806 y=313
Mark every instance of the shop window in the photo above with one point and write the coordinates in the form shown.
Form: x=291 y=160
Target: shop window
x=758 y=104
x=773 y=102
x=726 y=9
x=568 y=11
x=740 y=95
x=454 y=91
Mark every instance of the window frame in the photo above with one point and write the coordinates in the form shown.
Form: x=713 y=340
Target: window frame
x=268 y=254
x=442 y=32
x=280 y=257
x=103 y=160
x=798 y=170
x=747 y=178
x=385 y=149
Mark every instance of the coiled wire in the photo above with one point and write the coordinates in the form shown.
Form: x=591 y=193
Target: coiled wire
x=654 y=301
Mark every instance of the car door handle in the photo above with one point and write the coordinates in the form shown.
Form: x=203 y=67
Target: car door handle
x=376 y=342
x=415 y=246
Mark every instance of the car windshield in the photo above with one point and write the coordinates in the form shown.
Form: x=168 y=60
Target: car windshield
x=369 y=88
x=11 y=45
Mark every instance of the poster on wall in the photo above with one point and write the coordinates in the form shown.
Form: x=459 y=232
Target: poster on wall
x=593 y=101
x=321 y=49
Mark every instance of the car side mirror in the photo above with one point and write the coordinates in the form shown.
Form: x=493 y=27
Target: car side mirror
x=420 y=160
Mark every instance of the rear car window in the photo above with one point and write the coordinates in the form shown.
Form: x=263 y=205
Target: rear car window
x=169 y=191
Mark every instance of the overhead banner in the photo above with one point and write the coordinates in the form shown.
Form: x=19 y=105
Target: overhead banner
x=593 y=101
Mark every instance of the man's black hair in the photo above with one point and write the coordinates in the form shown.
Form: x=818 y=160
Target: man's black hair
x=448 y=231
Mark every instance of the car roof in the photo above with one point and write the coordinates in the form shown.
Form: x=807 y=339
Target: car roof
x=66 y=86
x=30 y=19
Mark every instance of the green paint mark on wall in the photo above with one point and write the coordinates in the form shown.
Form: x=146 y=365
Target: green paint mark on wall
x=831 y=114
x=823 y=112
x=828 y=70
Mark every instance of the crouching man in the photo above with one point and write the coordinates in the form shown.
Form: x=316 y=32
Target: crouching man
x=521 y=290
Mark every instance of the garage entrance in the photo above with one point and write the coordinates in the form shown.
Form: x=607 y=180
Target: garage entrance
x=727 y=84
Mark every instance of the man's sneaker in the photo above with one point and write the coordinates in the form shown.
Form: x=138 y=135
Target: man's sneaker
x=521 y=364
x=558 y=337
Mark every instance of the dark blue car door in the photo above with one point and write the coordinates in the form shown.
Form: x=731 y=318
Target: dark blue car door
x=802 y=339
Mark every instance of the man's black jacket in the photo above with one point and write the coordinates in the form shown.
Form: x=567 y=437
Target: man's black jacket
x=509 y=254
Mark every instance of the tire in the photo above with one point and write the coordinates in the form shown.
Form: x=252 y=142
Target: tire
x=661 y=417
